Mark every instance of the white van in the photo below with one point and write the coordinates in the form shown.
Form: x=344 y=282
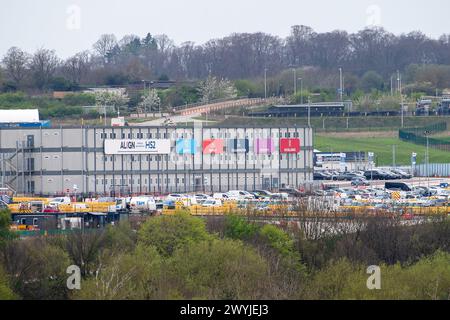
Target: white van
x=58 y=201
x=240 y=195
x=212 y=203
x=221 y=196
x=143 y=204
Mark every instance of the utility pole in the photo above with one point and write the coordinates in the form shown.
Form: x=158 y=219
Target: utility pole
x=399 y=79
x=309 y=112
x=265 y=83
x=341 y=83
x=427 y=157
x=301 y=90
x=295 y=81
x=392 y=83
x=105 y=113
x=428 y=162
x=393 y=155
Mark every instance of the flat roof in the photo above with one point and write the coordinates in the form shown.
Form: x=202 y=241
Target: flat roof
x=19 y=116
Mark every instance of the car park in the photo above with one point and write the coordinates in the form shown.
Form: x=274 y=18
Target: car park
x=212 y=203
x=174 y=196
x=397 y=186
x=392 y=175
x=376 y=175
x=293 y=192
x=59 y=200
x=403 y=174
x=221 y=196
x=321 y=175
x=358 y=182
x=240 y=194
x=349 y=176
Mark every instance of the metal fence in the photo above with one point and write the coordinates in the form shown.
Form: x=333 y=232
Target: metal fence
x=432 y=170
x=421 y=136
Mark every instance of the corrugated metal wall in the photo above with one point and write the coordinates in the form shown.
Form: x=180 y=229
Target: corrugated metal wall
x=433 y=170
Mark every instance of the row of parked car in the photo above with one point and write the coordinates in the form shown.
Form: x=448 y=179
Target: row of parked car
x=362 y=176
x=231 y=195
x=406 y=192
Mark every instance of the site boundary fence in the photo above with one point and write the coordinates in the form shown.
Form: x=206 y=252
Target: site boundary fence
x=422 y=135
x=54 y=232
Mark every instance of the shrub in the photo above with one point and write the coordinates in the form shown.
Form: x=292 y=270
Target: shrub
x=238 y=228
x=167 y=233
x=218 y=269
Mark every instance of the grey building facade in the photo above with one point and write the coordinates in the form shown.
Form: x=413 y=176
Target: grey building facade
x=51 y=161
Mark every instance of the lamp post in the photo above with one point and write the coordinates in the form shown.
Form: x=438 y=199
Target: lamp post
x=301 y=90
x=427 y=157
x=392 y=82
x=393 y=155
x=399 y=79
x=265 y=83
x=309 y=112
x=295 y=81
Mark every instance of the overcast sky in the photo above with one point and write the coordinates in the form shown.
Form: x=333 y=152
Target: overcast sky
x=70 y=26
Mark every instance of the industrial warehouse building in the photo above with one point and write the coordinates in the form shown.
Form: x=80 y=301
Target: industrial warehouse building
x=119 y=160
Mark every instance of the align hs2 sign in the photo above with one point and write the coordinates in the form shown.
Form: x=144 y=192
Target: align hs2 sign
x=114 y=147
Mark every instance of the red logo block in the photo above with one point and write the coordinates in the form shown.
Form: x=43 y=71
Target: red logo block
x=289 y=145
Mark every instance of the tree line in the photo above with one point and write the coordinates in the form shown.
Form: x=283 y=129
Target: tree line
x=239 y=56
x=231 y=258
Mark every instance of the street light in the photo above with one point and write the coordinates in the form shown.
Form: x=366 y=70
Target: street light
x=301 y=90
x=399 y=80
x=295 y=81
x=265 y=83
x=309 y=112
x=427 y=157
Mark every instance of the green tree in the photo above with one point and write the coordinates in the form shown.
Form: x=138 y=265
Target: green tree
x=79 y=99
x=37 y=269
x=167 y=233
x=5 y=291
x=218 y=269
x=180 y=95
x=125 y=276
x=330 y=282
x=5 y=222
x=297 y=98
x=120 y=238
x=239 y=228
x=278 y=239
x=371 y=80
x=247 y=88
x=428 y=279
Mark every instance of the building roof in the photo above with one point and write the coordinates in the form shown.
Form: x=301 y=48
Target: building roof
x=19 y=116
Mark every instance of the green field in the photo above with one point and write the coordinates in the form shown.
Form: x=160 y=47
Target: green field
x=382 y=147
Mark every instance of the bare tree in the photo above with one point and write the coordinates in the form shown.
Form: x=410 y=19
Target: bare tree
x=77 y=66
x=105 y=45
x=43 y=67
x=16 y=64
